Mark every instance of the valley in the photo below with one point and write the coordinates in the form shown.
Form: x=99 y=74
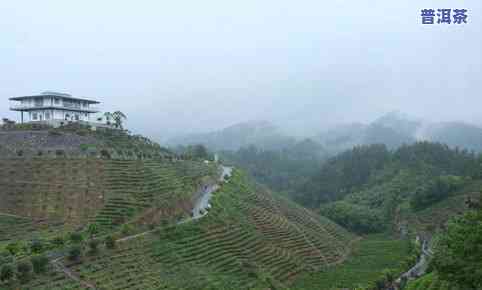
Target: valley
x=110 y=219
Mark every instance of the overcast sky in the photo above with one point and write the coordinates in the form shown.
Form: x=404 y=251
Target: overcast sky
x=189 y=66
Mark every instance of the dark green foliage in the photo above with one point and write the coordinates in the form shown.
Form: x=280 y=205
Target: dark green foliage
x=283 y=170
x=7 y=272
x=342 y=174
x=39 y=263
x=24 y=271
x=105 y=154
x=435 y=190
x=5 y=258
x=93 y=246
x=76 y=237
x=74 y=253
x=357 y=218
x=13 y=247
x=374 y=177
x=93 y=229
x=438 y=158
x=197 y=151
x=110 y=242
x=458 y=257
x=36 y=246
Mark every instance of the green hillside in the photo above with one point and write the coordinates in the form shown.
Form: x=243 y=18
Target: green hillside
x=249 y=239
x=64 y=208
x=76 y=191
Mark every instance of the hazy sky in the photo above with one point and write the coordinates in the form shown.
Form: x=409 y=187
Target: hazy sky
x=185 y=66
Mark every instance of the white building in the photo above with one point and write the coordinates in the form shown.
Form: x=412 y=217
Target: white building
x=54 y=108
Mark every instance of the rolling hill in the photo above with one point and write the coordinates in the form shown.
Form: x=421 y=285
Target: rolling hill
x=250 y=238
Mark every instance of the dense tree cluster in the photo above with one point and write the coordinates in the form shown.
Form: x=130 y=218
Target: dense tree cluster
x=342 y=174
x=282 y=170
x=365 y=166
x=458 y=256
x=357 y=218
x=435 y=190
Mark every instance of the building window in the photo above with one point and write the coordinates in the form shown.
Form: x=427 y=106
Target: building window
x=56 y=101
x=34 y=116
x=47 y=115
x=39 y=102
x=76 y=117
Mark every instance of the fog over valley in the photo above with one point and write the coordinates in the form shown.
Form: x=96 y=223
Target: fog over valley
x=189 y=67
x=241 y=145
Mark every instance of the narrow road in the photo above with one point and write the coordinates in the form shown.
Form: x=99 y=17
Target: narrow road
x=202 y=205
x=421 y=266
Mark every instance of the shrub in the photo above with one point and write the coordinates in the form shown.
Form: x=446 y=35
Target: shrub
x=105 y=154
x=13 y=248
x=6 y=272
x=110 y=242
x=126 y=229
x=93 y=229
x=36 y=246
x=39 y=263
x=59 y=152
x=5 y=258
x=94 y=246
x=437 y=190
x=74 y=253
x=24 y=271
x=76 y=237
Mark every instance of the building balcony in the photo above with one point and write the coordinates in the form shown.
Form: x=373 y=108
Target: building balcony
x=89 y=109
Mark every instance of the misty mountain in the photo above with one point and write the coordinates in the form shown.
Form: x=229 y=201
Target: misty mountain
x=262 y=134
x=393 y=129
x=456 y=134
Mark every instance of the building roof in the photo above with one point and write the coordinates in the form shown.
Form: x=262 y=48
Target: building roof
x=74 y=109
x=54 y=94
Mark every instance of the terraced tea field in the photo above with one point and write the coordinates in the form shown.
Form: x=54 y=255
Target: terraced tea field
x=249 y=238
x=50 y=195
x=372 y=255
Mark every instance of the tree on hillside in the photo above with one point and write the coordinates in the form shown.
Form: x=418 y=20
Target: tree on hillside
x=108 y=116
x=118 y=118
x=343 y=173
x=7 y=272
x=458 y=257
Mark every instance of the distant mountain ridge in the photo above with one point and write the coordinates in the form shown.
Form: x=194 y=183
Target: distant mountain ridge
x=395 y=129
x=262 y=134
x=392 y=129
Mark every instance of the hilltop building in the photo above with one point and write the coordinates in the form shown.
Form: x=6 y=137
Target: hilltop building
x=54 y=108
